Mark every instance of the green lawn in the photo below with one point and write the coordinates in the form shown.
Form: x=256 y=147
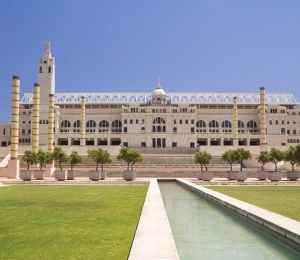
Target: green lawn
x=281 y=200
x=69 y=222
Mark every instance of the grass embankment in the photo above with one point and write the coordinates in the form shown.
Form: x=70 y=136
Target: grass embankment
x=281 y=200
x=69 y=222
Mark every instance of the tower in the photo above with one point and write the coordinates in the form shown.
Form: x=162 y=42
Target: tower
x=46 y=81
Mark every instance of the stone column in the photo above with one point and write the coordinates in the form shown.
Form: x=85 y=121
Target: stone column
x=51 y=123
x=263 y=126
x=35 y=118
x=13 y=165
x=82 y=122
x=108 y=141
x=208 y=141
x=235 y=123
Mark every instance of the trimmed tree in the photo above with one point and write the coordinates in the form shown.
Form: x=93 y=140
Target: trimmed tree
x=30 y=158
x=43 y=158
x=291 y=156
x=99 y=156
x=241 y=155
x=229 y=157
x=60 y=156
x=74 y=158
x=130 y=156
x=276 y=156
x=263 y=158
x=203 y=158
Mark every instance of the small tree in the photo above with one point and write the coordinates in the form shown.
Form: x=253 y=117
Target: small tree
x=276 y=156
x=291 y=156
x=99 y=156
x=60 y=156
x=203 y=158
x=229 y=157
x=30 y=158
x=43 y=158
x=263 y=158
x=130 y=156
x=74 y=159
x=241 y=155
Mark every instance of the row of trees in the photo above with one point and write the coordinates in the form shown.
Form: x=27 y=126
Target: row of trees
x=292 y=155
x=99 y=156
x=239 y=155
x=43 y=158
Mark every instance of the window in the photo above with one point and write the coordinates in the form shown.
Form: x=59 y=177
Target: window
x=288 y=132
x=174 y=121
x=294 y=132
x=276 y=122
x=49 y=70
x=125 y=121
x=125 y=129
x=186 y=122
x=226 y=124
x=192 y=122
x=41 y=70
x=142 y=130
x=23 y=131
x=131 y=121
x=270 y=122
x=283 y=131
x=29 y=131
x=143 y=144
x=180 y=121
x=282 y=122
x=143 y=121
x=3 y=131
x=136 y=121
x=273 y=110
x=116 y=126
x=174 y=129
x=192 y=130
x=174 y=144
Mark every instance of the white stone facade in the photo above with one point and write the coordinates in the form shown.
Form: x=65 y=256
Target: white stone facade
x=157 y=119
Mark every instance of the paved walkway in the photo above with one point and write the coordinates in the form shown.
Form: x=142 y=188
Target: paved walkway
x=153 y=238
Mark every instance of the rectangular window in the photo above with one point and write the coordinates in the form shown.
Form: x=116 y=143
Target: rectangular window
x=180 y=121
x=125 y=129
x=49 y=70
x=276 y=122
x=270 y=122
x=174 y=122
x=3 y=131
x=186 y=121
x=125 y=121
x=283 y=131
x=143 y=121
x=131 y=121
x=192 y=130
x=41 y=70
x=174 y=144
x=143 y=144
x=125 y=144
x=192 y=122
x=29 y=131
x=288 y=132
x=142 y=130
x=23 y=131
x=282 y=122
x=174 y=129
x=136 y=121
x=294 y=132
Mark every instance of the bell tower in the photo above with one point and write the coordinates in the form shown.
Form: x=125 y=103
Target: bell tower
x=46 y=80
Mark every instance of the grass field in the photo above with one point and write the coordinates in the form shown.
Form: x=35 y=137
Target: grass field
x=69 y=222
x=281 y=200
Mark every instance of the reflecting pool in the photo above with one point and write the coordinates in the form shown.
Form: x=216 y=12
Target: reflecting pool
x=203 y=230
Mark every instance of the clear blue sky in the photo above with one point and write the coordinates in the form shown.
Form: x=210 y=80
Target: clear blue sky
x=123 y=46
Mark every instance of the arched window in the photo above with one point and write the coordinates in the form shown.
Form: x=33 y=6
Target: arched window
x=200 y=123
x=241 y=124
x=103 y=126
x=213 y=124
x=158 y=101
x=159 y=125
x=65 y=123
x=76 y=123
x=116 y=126
x=226 y=124
x=251 y=124
x=91 y=123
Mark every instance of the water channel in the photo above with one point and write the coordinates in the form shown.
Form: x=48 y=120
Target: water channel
x=203 y=230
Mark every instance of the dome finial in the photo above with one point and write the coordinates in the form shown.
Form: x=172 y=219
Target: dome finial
x=158 y=85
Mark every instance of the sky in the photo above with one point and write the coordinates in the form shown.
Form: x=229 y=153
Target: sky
x=228 y=46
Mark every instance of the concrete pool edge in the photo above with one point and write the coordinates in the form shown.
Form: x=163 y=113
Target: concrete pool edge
x=153 y=238
x=282 y=228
